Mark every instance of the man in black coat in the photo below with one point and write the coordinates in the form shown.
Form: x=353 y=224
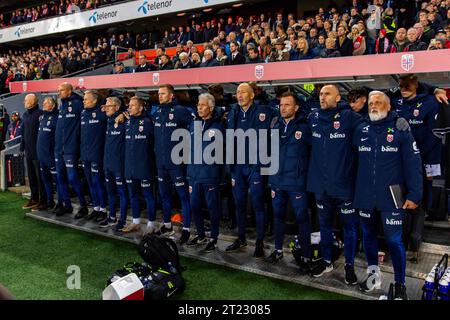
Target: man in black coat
x=235 y=57
x=343 y=43
x=28 y=145
x=144 y=66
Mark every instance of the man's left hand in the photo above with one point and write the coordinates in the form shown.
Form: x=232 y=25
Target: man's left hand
x=409 y=205
x=441 y=96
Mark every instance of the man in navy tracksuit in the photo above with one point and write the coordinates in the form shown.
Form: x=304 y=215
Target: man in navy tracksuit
x=93 y=130
x=167 y=118
x=387 y=157
x=139 y=164
x=45 y=148
x=289 y=184
x=331 y=176
x=245 y=175
x=67 y=147
x=204 y=177
x=113 y=163
x=421 y=109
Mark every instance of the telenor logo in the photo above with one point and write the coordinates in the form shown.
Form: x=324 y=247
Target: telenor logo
x=146 y=7
x=19 y=32
x=95 y=17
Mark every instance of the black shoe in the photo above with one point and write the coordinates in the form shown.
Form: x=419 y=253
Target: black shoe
x=108 y=222
x=62 y=210
x=322 y=268
x=259 y=249
x=304 y=267
x=81 y=213
x=400 y=291
x=56 y=208
x=211 y=246
x=196 y=241
x=93 y=215
x=51 y=205
x=237 y=244
x=274 y=257
x=120 y=225
x=165 y=231
x=185 y=234
x=350 y=275
x=102 y=215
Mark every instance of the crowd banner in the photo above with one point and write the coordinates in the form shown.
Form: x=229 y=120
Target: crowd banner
x=103 y=16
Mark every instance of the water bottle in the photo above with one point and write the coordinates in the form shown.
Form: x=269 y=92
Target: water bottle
x=429 y=287
x=443 y=289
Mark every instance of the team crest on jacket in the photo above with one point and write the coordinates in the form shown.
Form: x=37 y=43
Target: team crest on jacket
x=273 y=194
x=298 y=135
x=259 y=71
x=336 y=125
x=416 y=112
x=141 y=128
x=390 y=137
x=94 y=115
x=211 y=133
x=262 y=117
x=156 y=78
x=170 y=116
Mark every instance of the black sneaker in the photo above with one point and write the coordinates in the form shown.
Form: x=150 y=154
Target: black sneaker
x=400 y=291
x=82 y=213
x=196 y=241
x=237 y=244
x=62 y=210
x=304 y=267
x=211 y=246
x=108 y=222
x=259 y=249
x=93 y=215
x=56 y=208
x=275 y=256
x=120 y=225
x=102 y=215
x=185 y=234
x=322 y=268
x=165 y=231
x=350 y=275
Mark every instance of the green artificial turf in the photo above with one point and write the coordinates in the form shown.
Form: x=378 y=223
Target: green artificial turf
x=34 y=257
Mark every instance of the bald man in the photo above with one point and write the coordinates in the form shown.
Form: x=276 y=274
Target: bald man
x=244 y=116
x=28 y=145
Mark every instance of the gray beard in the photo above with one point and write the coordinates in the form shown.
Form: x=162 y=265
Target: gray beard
x=377 y=116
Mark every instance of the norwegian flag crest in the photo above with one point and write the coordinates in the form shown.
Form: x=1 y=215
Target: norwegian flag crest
x=407 y=62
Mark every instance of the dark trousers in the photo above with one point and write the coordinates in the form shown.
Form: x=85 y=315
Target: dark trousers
x=34 y=178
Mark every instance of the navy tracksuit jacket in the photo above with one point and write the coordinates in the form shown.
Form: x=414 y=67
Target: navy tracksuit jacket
x=386 y=157
x=204 y=179
x=289 y=184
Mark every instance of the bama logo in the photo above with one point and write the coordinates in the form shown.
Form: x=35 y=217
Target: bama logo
x=393 y=222
x=146 y=6
x=21 y=31
x=95 y=17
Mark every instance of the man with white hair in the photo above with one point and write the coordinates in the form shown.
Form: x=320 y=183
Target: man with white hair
x=184 y=62
x=415 y=44
x=209 y=59
x=389 y=160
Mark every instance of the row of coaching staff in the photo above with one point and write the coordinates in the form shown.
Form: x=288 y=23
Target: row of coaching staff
x=289 y=183
x=30 y=126
x=67 y=147
x=386 y=157
x=45 y=147
x=204 y=178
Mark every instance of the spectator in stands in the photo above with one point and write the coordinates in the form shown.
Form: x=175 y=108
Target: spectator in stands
x=15 y=128
x=159 y=52
x=119 y=68
x=330 y=51
x=221 y=57
x=253 y=56
x=196 y=60
x=144 y=66
x=279 y=53
x=301 y=52
x=31 y=119
x=359 y=42
x=235 y=57
x=55 y=68
x=208 y=56
x=389 y=24
x=184 y=62
x=414 y=42
x=165 y=64
x=343 y=44
x=400 y=42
